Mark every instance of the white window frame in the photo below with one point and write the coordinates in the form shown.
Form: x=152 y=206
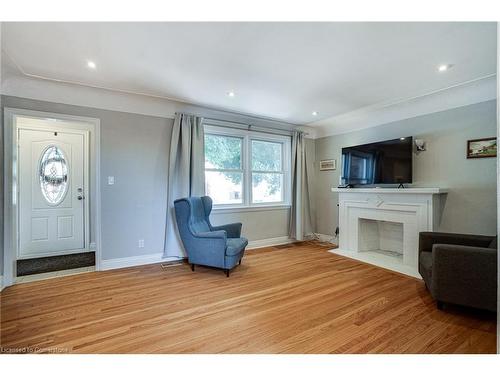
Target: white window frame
x=246 y=162
x=228 y=170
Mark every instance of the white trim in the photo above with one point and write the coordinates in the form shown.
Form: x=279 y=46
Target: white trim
x=62 y=128
x=257 y=244
x=17 y=84
x=381 y=190
x=139 y=260
x=1 y=283
x=247 y=136
x=10 y=188
x=475 y=91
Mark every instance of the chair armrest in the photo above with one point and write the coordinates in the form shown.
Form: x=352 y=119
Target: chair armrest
x=428 y=239
x=233 y=230
x=208 y=248
x=464 y=274
x=219 y=234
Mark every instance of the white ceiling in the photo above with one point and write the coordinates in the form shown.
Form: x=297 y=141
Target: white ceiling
x=282 y=71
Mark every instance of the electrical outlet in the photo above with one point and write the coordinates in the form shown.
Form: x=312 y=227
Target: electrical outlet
x=141 y=243
x=111 y=180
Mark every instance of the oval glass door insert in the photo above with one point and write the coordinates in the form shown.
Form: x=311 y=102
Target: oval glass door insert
x=53 y=173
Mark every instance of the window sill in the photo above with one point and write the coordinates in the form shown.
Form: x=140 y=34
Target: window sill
x=230 y=210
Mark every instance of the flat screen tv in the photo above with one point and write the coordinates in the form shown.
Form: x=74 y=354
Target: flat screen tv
x=388 y=162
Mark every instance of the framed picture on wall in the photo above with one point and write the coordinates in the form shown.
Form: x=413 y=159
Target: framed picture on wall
x=328 y=165
x=482 y=148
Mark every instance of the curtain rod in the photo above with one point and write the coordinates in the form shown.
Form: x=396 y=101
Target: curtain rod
x=261 y=129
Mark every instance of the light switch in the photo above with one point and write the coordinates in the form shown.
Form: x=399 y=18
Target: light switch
x=111 y=180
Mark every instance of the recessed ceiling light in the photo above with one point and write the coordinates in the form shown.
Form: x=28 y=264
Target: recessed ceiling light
x=444 y=67
x=315 y=113
x=91 y=64
x=231 y=94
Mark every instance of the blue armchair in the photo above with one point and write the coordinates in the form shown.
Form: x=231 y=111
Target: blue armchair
x=220 y=246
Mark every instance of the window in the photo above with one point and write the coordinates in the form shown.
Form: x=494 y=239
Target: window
x=223 y=169
x=245 y=168
x=53 y=174
x=267 y=171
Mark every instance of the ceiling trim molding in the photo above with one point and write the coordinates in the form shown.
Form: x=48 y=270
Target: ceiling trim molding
x=57 y=92
x=84 y=96
x=19 y=83
x=77 y=83
x=471 y=92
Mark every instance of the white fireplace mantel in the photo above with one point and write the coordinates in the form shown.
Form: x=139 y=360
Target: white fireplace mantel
x=430 y=190
x=371 y=219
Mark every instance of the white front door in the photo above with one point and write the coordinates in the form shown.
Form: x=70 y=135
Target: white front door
x=51 y=192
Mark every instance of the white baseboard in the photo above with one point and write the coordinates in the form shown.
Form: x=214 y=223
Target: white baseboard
x=256 y=244
x=140 y=260
x=1 y=283
x=111 y=264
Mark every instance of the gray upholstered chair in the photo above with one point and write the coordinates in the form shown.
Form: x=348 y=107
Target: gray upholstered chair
x=220 y=246
x=459 y=268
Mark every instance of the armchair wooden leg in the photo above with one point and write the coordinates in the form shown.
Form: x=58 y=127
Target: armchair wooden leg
x=227 y=273
x=440 y=305
x=192 y=267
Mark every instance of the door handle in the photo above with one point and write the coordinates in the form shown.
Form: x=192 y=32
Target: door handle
x=80 y=197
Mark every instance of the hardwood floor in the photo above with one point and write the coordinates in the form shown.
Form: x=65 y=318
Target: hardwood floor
x=289 y=299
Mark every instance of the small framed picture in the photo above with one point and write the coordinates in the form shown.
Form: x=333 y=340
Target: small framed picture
x=482 y=148
x=328 y=165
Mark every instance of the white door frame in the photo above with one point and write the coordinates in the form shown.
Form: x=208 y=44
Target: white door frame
x=88 y=125
x=62 y=128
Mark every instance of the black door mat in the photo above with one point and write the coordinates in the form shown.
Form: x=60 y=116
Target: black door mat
x=55 y=263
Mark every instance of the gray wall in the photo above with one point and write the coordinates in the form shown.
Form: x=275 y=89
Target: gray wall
x=257 y=225
x=471 y=203
x=135 y=149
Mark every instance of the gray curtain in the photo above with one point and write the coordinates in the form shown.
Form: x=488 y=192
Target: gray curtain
x=186 y=173
x=300 y=213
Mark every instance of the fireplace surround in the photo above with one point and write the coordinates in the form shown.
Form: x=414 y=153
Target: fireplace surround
x=381 y=225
